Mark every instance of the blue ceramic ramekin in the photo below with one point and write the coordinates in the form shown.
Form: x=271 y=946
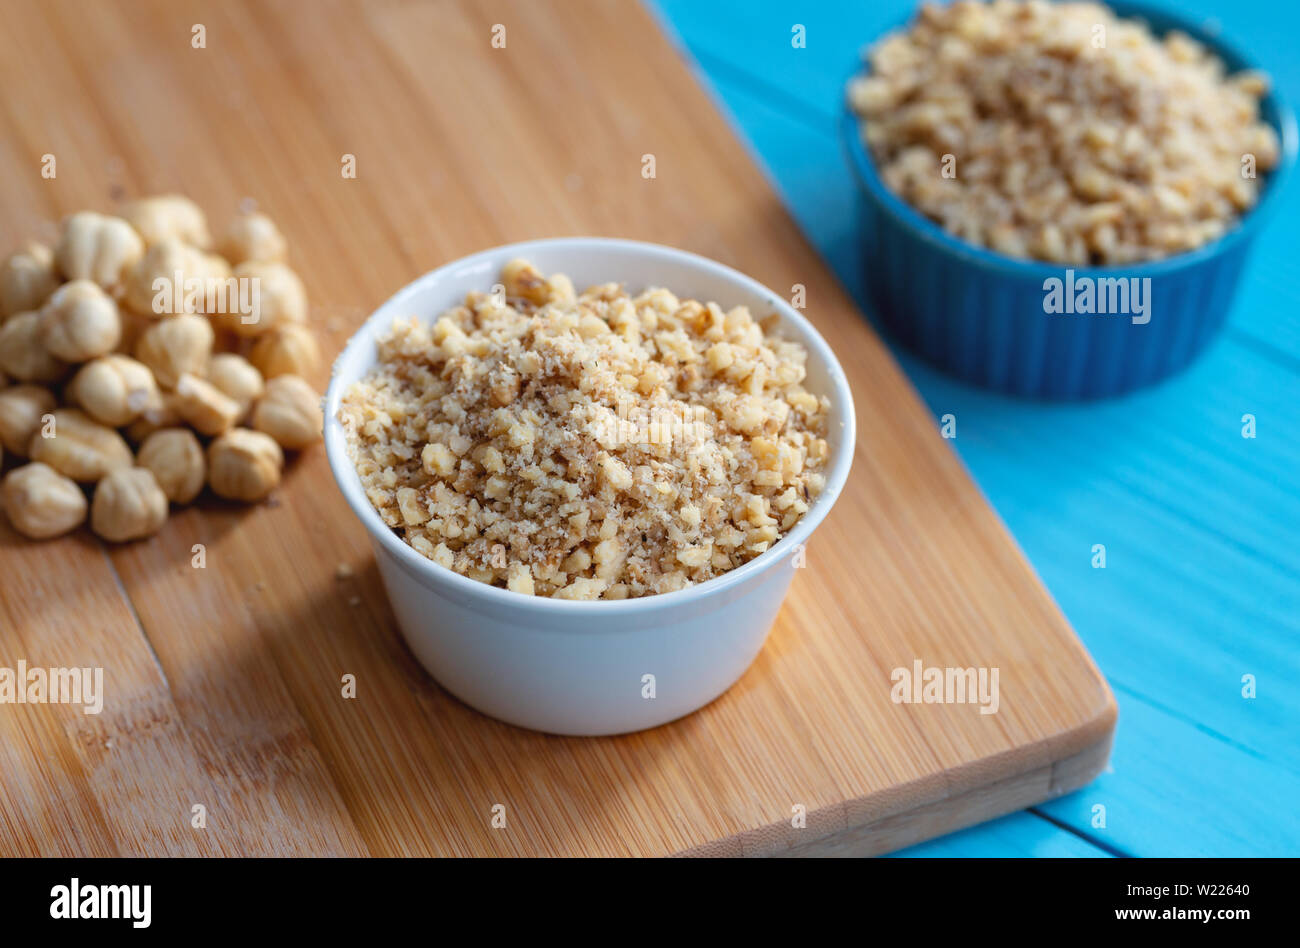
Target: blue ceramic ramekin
x=980 y=315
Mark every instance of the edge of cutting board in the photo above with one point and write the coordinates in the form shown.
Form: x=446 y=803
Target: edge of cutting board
x=1080 y=755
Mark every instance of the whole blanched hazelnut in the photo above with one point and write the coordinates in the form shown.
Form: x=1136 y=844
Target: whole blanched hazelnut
x=41 y=502
x=128 y=505
x=79 y=322
x=175 y=346
x=204 y=406
x=287 y=350
x=22 y=351
x=172 y=277
x=289 y=411
x=176 y=459
x=244 y=465
x=27 y=278
x=168 y=217
x=97 y=247
x=254 y=237
x=236 y=377
x=278 y=298
x=74 y=444
x=160 y=414
x=21 y=410
x=113 y=389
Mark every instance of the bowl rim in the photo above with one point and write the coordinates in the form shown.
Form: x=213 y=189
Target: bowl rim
x=1160 y=20
x=429 y=573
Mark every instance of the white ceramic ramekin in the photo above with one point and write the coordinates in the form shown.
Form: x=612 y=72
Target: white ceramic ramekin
x=581 y=667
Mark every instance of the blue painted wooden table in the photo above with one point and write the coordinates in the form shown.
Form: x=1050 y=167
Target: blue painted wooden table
x=1201 y=525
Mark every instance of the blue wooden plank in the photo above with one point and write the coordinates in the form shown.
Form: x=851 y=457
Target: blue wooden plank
x=1200 y=585
x=1174 y=790
x=748 y=44
x=756 y=40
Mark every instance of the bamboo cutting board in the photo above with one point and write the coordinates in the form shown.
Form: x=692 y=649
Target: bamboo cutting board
x=223 y=683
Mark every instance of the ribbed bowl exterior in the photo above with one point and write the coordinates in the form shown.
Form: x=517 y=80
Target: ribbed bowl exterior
x=981 y=316
x=988 y=326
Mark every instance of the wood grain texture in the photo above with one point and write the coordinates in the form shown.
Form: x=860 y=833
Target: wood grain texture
x=224 y=682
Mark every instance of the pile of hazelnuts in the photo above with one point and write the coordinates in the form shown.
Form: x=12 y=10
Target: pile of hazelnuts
x=140 y=361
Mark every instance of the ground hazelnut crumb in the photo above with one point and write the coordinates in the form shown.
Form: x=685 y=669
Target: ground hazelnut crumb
x=1059 y=132
x=587 y=446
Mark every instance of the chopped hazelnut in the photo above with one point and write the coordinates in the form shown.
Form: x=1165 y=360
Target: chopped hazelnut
x=1013 y=129
x=589 y=446
x=524 y=281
